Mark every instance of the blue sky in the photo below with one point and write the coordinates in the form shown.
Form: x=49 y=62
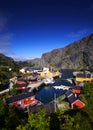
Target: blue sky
x=29 y=28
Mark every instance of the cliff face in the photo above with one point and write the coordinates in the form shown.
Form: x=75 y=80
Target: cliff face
x=77 y=55
x=7 y=61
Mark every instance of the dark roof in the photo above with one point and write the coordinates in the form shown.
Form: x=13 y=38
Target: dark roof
x=83 y=75
x=63 y=82
x=21 y=85
x=33 y=79
x=21 y=79
x=26 y=90
x=19 y=76
x=49 y=108
x=72 y=97
x=33 y=69
x=18 y=97
x=77 y=88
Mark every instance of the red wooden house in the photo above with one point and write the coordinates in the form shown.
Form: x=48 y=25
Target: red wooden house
x=74 y=100
x=77 y=103
x=22 y=101
x=21 y=84
x=77 y=90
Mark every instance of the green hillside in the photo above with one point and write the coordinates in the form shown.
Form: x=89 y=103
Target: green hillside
x=77 y=119
x=8 y=68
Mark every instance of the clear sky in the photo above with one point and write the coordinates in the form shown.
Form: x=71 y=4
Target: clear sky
x=29 y=28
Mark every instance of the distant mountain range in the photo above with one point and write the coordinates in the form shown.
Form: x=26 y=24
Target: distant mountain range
x=77 y=55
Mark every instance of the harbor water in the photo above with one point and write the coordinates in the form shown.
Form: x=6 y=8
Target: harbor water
x=48 y=93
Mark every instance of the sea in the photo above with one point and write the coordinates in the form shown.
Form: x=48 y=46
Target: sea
x=49 y=93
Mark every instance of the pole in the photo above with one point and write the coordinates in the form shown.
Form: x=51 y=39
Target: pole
x=55 y=102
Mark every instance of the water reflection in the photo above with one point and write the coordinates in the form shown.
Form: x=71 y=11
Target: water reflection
x=46 y=94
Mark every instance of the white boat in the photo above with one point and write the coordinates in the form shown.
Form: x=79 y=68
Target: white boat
x=62 y=87
x=49 y=80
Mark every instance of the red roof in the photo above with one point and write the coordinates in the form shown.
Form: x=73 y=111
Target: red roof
x=77 y=103
x=76 y=90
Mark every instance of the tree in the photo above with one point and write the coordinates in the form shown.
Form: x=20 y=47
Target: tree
x=37 y=121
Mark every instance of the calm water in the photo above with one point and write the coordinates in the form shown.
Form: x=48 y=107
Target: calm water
x=47 y=94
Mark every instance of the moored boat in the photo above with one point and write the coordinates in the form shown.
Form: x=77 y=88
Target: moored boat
x=62 y=87
x=49 y=80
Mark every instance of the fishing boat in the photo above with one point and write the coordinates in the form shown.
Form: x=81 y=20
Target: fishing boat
x=62 y=87
x=49 y=80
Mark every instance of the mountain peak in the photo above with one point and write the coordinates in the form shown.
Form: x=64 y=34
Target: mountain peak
x=77 y=55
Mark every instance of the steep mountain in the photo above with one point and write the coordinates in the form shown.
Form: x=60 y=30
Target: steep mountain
x=7 y=61
x=77 y=55
x=31 y=63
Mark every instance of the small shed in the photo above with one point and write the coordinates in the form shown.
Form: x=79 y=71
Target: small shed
x=77 y=90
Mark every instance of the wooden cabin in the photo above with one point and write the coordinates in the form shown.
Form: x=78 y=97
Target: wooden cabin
x=74 y=100
x=21 y=86
x=77 y=90
x=83 y=76
x=22 y=101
